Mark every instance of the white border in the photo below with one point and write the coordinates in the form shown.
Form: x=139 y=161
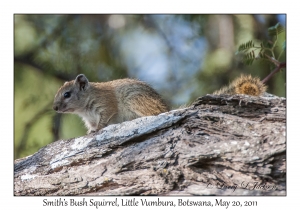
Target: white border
x=8 y=8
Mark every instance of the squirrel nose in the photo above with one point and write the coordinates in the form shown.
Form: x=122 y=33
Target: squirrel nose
x=55 y=107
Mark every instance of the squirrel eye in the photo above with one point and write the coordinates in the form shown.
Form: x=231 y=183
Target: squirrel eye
x=67 y=94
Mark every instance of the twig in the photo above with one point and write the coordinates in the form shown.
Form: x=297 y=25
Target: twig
x=271 y=59
x=278 y=67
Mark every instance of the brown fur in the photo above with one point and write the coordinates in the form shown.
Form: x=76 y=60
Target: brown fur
x=244 y=85
x=102 y=104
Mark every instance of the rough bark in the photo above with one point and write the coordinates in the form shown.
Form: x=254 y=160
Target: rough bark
x=220 y=145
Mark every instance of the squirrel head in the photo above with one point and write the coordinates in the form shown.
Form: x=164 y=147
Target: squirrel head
x=70 y=97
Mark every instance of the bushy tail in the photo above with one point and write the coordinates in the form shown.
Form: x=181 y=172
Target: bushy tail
x=245 y=84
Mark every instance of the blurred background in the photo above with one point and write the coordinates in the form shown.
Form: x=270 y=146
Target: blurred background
x=181 y=56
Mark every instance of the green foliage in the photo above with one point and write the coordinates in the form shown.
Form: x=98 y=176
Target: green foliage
x=276 y=30
x=249 y=57
x=246 y=46
x=266 y=49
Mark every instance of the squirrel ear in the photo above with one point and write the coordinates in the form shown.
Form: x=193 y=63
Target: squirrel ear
x=81 y=82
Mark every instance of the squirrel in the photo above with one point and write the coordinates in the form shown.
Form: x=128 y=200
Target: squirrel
x=105 y=103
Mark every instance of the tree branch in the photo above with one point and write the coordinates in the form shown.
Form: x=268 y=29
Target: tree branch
x=28 y=60
x=230 y=141
x=280 y=66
